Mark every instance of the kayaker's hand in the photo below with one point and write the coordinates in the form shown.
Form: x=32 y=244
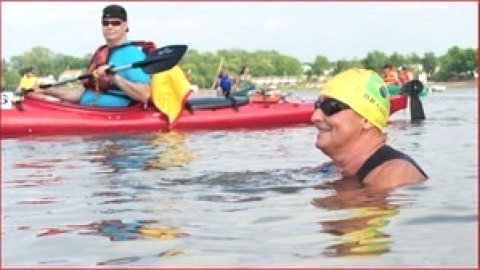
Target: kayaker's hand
x=103 y=76
x=37 y=89
x=101 y=70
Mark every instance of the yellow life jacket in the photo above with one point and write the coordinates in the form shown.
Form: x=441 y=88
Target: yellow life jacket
x=27 y=82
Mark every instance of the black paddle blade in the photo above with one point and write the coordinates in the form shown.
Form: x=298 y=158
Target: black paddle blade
x=162 y=59
x=414 y=88
x=416 y=108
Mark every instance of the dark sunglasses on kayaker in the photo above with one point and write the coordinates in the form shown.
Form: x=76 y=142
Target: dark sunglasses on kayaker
x=330 y=106
x=113 y=23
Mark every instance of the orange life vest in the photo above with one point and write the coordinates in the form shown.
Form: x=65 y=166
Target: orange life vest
x=405 y=76
x=100 y=57
x=269 y=98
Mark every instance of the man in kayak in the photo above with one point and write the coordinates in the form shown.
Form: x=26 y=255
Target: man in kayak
x=350 y=115
x=106 y=89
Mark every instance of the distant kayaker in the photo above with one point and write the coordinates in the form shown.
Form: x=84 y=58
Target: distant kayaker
x=350 y=115
x=244 y=81
x=224 y=84
x=29 y=81
x=390 y=75
x=406 y=75
x=112 y=90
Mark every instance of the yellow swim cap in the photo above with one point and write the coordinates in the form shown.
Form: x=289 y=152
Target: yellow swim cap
x=364 y=92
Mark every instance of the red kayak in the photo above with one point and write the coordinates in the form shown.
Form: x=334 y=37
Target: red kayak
x=37 y=116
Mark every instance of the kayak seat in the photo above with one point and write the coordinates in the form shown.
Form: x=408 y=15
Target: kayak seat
x=215 y=103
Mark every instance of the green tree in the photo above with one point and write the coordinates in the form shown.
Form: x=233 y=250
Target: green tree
x=291 y=66
x=10 y=79
x=397 y=59
x=342 y=65
x=429 y=63
x=320 y=65
x=457 y=64
x=46 y=62
x=39 y=57
x=412 y=59
x=4 y=65
x=375 y=60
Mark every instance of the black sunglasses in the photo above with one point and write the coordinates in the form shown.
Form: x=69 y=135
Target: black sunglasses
x=330 y=106
x=113 y=23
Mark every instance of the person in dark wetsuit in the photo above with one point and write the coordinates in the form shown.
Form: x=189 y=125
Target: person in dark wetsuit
x=350 y=115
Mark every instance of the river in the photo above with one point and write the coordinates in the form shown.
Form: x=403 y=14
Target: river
x=239 y=198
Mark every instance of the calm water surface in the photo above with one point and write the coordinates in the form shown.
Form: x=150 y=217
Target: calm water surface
x=239 y=198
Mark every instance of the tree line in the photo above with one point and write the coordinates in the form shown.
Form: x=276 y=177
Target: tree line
x=456 y=64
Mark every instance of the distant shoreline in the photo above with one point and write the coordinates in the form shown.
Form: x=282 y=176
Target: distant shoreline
x=473 y=83
x=469 y=84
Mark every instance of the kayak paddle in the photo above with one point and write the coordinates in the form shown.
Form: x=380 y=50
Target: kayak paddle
x=413 y=89
x=161 y=59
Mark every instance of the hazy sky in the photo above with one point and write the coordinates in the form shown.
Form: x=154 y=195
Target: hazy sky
x=337 y=30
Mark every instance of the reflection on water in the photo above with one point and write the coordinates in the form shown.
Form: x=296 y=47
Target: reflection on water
x=239 y=198
x=360 y=234
x=161 y=150
x=173 y=151
x=368 y=212
x=117 y=230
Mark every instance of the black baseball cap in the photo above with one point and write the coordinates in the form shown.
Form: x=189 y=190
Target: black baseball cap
x=114 y=11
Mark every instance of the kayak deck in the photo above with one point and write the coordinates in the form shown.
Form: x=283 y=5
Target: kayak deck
x=41 y=117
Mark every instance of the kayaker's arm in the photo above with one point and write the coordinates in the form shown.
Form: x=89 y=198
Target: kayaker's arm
x=136 y=91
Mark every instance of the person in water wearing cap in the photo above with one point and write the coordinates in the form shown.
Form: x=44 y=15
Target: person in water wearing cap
x=112 y=90
x=350 y=115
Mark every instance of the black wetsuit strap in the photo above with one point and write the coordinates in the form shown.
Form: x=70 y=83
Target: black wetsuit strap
x=383 y=154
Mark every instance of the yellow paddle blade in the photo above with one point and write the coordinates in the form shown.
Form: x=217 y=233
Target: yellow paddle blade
x=169 y=92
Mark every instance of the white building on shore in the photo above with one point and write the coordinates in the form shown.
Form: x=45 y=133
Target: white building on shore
x=277 y=81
